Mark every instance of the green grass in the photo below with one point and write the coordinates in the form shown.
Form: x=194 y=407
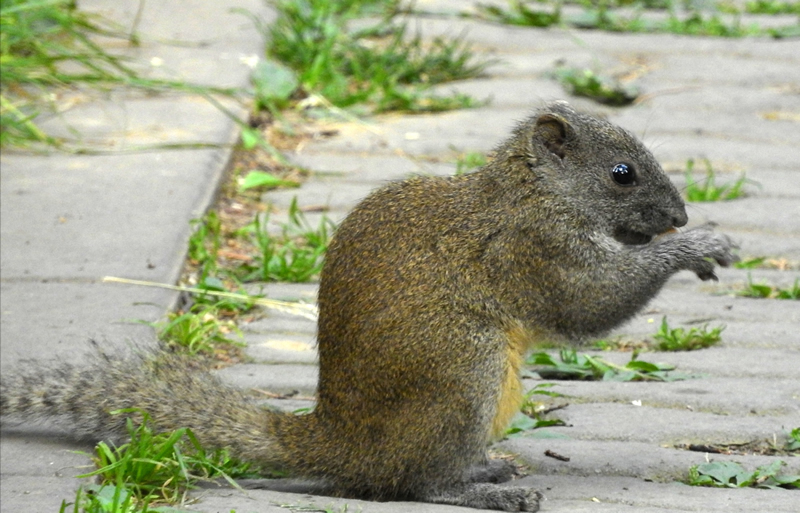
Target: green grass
x=707 y=189
x=36 y=40
x=520 y=14
x=729 y=474
x=201 y=329
x=574 y=366
x=152 y=468
x=205 y=241
x=793 y=440
x=762 y=290
x=295 y=255
x=46 y=48
x=680 y=339
x=750 y=263
x=532 y=411
x=607 y=15
x=771 y=7
x=261 y=180
x=108 y=499
x=601 y=88
x=378 y=64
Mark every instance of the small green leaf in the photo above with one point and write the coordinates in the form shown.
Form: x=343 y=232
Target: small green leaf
x=212 y=283
x=250 y=138
x=641 y=366
x=725 y=473
x=261 y=179
x=520 y=423
x=274 y=83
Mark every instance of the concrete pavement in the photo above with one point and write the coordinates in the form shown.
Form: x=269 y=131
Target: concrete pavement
x=67 y=221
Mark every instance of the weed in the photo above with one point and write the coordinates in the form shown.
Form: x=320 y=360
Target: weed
x=519 y=14
x=156 y=466
x=377 y=64
x=708 y=190
x=601 y=88
x=771 y=7
x=793 y=440
x=762 y=290
x=47 y=46
x=750 y=263
x=698 y=25
x=274 y=85
x=576 y=366
x=38 y=38
x=205 y=241
x=679 y=339
x=262 y=180
x=728 y=474
x=605 y=15
x=106 y=499
x=791 y=293
x=532 y=412
x=781 y=264
x=469 y=161
x=199 y=330
x=295 y=256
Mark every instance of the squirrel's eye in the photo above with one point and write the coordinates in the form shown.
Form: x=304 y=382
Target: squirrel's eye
x=624 y=174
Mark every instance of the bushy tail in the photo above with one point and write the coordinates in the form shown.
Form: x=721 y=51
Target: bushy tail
x=169 y=387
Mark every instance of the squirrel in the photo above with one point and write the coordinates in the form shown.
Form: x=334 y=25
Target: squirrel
x=432 y=291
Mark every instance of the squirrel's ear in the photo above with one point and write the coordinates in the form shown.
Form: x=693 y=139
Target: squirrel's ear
x=554 y=131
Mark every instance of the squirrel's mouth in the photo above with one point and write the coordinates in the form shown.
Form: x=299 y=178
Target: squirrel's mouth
x=635 y=238
x=631 y=237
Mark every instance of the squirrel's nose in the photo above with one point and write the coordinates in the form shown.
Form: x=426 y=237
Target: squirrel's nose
x=679 y=218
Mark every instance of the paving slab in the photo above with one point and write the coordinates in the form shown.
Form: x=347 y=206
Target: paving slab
x=67 y=221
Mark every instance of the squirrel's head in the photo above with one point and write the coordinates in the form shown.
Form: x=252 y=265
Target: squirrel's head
x=601 y=170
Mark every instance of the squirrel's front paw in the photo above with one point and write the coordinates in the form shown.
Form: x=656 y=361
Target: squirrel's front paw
x=708 y=247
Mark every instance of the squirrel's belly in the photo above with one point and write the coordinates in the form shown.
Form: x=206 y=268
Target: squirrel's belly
x=519 y=341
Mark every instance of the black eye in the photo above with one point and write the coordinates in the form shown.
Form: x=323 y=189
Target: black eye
x=624 y=174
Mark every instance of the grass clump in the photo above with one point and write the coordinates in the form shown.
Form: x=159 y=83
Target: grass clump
x=532 y=412
x=152 y=468
x=771 y=7
x=793 y=440
x=632 y=16
x=781 y=264
x=697 y=24
x=377 y=64
x=708 y=190
x=201 y=329
x=295 y=255
x=679 y=339
x=46 y=48
x=521 y=15
x=598 y=87
x=574 y=366
x=109 y=499
x=762 y=290
x=38 y=40
x=729 y=474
